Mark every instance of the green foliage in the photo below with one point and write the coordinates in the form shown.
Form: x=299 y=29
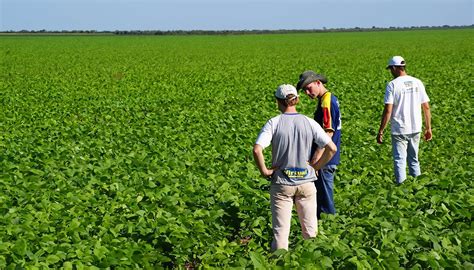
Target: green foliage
x=135 y=152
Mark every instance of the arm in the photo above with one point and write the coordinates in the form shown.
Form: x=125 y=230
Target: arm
x=427 y=113
x=330 y=122
x=387 y=112
x=328 y=151
x=319 y=151
x=260 y=161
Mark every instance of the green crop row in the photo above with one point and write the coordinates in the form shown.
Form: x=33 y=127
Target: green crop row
x=135 y=152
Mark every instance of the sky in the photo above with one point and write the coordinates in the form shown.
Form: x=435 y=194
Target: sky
x=165 y=15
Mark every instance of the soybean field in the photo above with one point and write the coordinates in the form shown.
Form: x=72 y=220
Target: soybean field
x=135 y=152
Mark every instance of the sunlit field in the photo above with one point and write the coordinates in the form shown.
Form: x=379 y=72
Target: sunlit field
x=135 y=152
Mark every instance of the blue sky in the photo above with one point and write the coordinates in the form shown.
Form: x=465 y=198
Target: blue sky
x=229 y=14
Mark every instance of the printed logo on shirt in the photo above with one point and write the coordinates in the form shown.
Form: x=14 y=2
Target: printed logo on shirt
x=409 y=88
x=296 y=172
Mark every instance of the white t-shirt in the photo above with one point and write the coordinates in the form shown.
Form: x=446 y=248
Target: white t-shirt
x=406 y=93
x=291 y=136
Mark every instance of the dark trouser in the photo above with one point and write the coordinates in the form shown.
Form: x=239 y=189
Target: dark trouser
x=325 y=190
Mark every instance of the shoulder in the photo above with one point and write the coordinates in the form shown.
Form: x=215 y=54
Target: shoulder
x=334 y=100
x=326 y=99
x=391 y=83
x=417 y=80
x=311 y=122
x=273 y=121
x=307 y=118
x=400 y=79
x=275 y=118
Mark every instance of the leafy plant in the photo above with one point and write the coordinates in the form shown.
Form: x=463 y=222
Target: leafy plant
x=135 y=152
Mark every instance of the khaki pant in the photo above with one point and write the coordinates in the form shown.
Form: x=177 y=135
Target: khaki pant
x=282 y=199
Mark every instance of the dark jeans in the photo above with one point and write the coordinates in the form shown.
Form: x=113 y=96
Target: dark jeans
x=325 y=190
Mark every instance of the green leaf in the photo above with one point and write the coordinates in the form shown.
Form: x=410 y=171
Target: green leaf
x=376 y=251
x=52 y=259
x=3 y=262
x=36 y=171
x=74 y=224
x=67 y=266
x=20 y=247
x=326 y=262
x=258 y=260
x=99 y=250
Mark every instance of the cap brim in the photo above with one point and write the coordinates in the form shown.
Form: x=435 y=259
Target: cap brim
x=304 y=83
x=323 y=79
x=394 y=66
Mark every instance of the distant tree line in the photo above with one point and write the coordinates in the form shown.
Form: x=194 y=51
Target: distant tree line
x=230 y=32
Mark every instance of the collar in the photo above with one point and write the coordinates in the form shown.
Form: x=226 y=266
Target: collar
x=323 y=95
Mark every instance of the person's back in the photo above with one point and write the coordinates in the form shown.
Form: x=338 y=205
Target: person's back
x=293 y=135
x=291 y=174
x=406 y=93
x=405 y=99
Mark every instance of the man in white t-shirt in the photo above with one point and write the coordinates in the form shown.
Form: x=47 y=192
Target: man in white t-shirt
x=291 y=135
x=405 y=98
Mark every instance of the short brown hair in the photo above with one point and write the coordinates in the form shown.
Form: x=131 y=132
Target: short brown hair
x=291 y=100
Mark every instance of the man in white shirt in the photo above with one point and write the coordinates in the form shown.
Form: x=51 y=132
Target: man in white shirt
x=405 y=98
